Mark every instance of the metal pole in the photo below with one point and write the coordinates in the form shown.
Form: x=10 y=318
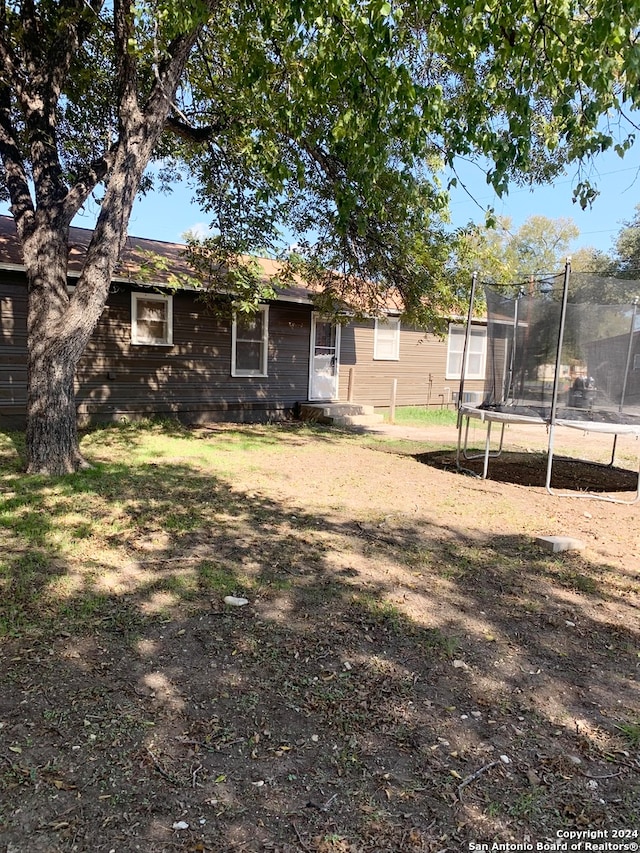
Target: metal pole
x=629 y=353
x=516 y=312
x=467 y=335
x=556 y=378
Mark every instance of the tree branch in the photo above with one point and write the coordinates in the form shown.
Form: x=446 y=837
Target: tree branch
x=84 y=186
x=168 y=73
x=126 y=63
x=15 y=172
x=72 y=35
x=40 y=68
x=7 y=59
x=139 y=133
x=197 y=134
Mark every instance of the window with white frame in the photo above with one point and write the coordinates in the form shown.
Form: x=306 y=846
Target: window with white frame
x=249 y=343
x=636 y=361
x=386 y=340
x=476 y=352
x=152 y=319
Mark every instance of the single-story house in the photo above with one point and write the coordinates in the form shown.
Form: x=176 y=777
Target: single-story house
x=158 y=350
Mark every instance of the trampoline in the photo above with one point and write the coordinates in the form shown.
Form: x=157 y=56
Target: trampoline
x=557 y=359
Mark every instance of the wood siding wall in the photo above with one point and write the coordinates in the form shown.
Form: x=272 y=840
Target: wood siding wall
x=191 y=379
x=13 y=353
x=420 y=370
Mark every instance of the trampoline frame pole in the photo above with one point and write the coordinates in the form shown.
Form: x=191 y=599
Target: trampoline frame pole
x=467 y=335
x=465 y=348
x=556 y=378
x=512 y=359
x=629 y=352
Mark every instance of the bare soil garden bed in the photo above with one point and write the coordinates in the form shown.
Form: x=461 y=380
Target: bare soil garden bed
x=530 y=469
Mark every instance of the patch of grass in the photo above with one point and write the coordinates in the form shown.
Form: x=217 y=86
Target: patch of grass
x=12 y=450
x=530 y=605
x=432 y=639
x=526 y=804
x=24 y=582
x=179 y=522
x=378 y=611
x=493 y=809
x=84 y=609
x=278 y=584
x=217 y=578
x=419 y=558
x=25 y=518
x=579 y=582
x=184 y=586
x=631 y=733
x=423 y=416
x=451 y=572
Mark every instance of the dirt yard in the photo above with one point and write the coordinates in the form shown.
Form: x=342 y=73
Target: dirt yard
x=412 y=672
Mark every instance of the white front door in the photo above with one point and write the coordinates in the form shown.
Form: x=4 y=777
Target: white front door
x=325 y=360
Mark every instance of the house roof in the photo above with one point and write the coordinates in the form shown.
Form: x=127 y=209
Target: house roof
x=138 y=263
x=134 y=253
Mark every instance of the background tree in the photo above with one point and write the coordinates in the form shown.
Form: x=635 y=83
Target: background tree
x=605 y=279
x=504 y=255
x=627 y=248
x=538 y=250
x=325 y=117
x=587 y=259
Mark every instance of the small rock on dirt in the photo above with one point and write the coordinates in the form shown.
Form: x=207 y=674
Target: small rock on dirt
x=234 y=601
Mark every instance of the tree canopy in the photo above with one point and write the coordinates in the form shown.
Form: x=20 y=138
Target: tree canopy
x=350 y=114
x=330 y=119
x=327 y=119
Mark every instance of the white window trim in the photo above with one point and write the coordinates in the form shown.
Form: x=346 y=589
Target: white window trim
x=167 y=298
x=264 y=354
x=388 y=322
x=636 y=361
x=467 y=375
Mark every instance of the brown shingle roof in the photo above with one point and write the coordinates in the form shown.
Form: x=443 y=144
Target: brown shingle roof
x=146 y=262
x=138 y=263
x=137 y=250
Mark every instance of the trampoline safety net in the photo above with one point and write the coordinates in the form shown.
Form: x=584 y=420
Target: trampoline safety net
x=598 y=367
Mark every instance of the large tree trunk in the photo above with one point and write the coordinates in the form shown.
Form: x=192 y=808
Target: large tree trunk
x=52 y=437
x=59 y=327
x=54 y=346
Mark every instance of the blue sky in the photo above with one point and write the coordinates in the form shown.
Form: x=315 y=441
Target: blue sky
x=617 y=179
